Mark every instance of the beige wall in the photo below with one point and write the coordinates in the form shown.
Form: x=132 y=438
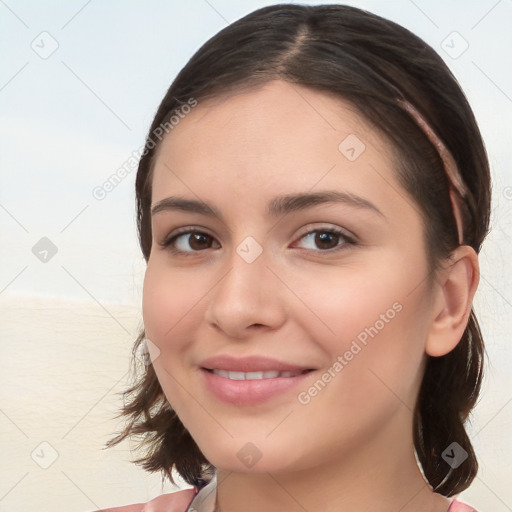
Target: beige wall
x=62 y=363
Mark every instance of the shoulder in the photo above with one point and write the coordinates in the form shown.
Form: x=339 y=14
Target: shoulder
x=172 y=502
x=458 y=506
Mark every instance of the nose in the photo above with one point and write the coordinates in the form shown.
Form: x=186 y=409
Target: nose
x=247 y=297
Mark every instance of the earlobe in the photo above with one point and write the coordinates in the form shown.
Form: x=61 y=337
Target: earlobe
x=452 y=307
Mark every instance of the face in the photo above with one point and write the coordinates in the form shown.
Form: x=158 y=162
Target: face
x=310 y=254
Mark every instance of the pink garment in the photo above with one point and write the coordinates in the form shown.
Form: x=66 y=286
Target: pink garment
x=457 y=506
x=181 y=501
x=172 y=502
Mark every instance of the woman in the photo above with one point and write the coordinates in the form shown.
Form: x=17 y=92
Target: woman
x=312 y=199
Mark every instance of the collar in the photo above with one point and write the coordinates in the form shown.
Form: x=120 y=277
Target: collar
x=204 y=500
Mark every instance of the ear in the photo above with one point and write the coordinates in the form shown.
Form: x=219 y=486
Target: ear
x=455 y=289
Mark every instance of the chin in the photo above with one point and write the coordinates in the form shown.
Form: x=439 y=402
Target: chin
x=241 y=455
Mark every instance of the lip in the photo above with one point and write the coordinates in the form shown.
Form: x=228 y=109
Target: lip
x=249 y=392
x=250 y=364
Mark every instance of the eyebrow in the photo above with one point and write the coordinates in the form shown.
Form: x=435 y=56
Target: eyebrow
x=279 y=205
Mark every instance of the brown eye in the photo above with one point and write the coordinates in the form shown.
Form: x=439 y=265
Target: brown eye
x=326 y=239
x=189 y=242
x=199 y=241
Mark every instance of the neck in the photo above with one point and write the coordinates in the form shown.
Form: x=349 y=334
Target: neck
x=381 y=475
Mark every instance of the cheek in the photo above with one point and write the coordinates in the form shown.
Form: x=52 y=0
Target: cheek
x=371 y=324
x=168 y=298
x=170 y=305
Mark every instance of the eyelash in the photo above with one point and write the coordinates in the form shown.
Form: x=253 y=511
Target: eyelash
x=168 y=242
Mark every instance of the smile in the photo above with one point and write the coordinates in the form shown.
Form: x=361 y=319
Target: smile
x=233 y=375
x=254 y=387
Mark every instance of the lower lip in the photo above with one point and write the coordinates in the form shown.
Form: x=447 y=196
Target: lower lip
x=249 y=392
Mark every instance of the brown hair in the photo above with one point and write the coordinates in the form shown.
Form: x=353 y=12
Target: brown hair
x=363 y=59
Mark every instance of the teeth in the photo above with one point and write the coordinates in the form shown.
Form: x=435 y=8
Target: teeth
x=254 y=375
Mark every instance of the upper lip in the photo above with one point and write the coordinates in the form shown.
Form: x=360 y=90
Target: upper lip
x=249 y=364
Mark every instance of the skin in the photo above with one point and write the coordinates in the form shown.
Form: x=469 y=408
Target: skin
x=351 y=446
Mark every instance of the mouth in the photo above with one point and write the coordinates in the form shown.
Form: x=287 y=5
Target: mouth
x=253 y=388
x=255 y=375
x=251 y=380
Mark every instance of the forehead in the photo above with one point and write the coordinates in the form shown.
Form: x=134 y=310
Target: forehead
x=260 y=111
x=270 y=137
